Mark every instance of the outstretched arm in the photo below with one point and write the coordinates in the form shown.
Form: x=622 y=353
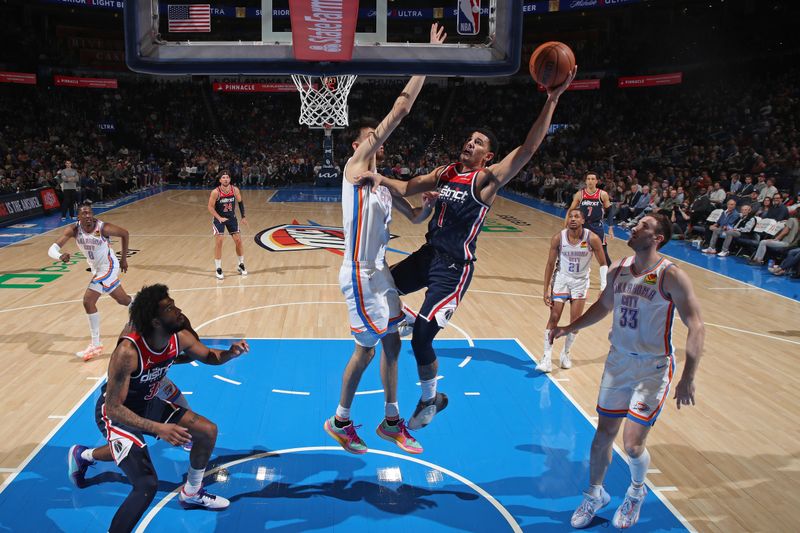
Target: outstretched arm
x=111 y=230
x=55 y=248
x=679 y=288
x=502 y=172
x=416 y=185
x=198 y=351
x=416 y=215
x=401 y=108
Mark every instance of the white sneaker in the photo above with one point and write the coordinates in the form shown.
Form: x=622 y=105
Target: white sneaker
x=545 y=365
x=709 y=251
x=588 y=508
x=628 y=513
x=90 y=352
x=406 y=326
x=220 y=275
x=203 y=499
x=566 y=362
x=242 y=269
x=724 y=253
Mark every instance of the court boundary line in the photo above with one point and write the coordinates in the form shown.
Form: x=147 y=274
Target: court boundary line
x=653 y=488
x=458 y=477
x=49 y=436
x=665 y=255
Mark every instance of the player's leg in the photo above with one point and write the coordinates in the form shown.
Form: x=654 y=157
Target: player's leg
x=634 y=437
x=340 y=426
x=141 y=474
x=576 y=306
x=546 y=364
x=393 y=428
x=120 y=296
x=219 y=238
x=90 y=298
x=204 y=438
x=237 y=240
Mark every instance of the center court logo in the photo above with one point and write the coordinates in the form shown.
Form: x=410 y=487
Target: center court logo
x=299 y=237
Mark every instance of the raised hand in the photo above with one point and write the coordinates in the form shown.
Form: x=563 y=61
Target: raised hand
x=556 y=91
x=437 y=34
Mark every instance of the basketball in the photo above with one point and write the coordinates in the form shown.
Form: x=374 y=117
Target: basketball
x=551 y=63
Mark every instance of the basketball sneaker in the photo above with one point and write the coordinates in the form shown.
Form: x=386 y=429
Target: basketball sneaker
x=90 y=352
x=406 y=326
x=628 y=513
x=585 y=512
x=545 y=365
x=77 y=465
x=426 y=410
x=565 y=360
x=346 y=436
x=242 y=269
x=220 y=275
x=203 y=499
x=399 y=435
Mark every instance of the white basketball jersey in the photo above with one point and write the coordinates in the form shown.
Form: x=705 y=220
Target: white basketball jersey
x=643 y=312
x=95 y=247
x=366 y=214
x=574 y=259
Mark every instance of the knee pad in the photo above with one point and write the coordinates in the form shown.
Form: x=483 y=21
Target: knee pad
x=422 y=341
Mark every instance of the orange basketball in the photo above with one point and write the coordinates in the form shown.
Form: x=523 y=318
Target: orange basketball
x=551 y=63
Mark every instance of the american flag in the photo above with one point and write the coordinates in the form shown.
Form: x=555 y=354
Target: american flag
x=189 y=18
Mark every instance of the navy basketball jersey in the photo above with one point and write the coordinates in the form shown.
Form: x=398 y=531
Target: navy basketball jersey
x=458 y=217
x=592 y=208
x=153 y=366
x=225 y=203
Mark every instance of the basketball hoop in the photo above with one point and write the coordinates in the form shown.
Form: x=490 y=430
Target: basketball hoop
x=323 y=100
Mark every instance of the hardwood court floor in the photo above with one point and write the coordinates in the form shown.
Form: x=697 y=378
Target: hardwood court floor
x=732 y=459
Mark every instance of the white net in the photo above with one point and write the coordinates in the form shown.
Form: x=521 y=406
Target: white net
x=323 y=99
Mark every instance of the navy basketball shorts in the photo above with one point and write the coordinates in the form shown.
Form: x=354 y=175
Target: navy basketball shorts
x=219 y=227
x=599 y=230
x=447 y=281
x=122 y=437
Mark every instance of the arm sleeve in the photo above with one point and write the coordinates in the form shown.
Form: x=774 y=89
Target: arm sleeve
x=241 y=208
x=54 y=251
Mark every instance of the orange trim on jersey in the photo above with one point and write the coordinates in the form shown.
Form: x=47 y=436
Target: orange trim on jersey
x=661 y=284
x=360 y=301
x=668 y=328
x=657 y=410
x=634 y=274
x=356 y=330
x=357 y=240
x=99 y=279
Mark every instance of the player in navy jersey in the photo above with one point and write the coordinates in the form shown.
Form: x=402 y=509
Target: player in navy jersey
x=221 y=205
x=444 y=264
x=130 y=408
x=595 y=205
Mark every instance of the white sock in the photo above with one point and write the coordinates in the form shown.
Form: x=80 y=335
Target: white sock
x=218 y=263
x=86 y=454
x=241 y=259
x=548 y=347
x=343 y=413
x=639 y=466
x=94 y=327
x=595 y=490
x=194 y=481
x=428 y=389
x=392 y=410
x=568 y=342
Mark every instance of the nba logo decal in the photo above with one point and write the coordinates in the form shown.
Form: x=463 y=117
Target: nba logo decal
x=469 y=17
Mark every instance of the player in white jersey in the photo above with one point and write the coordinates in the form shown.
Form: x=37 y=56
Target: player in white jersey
x=372 y=299
x=643 y=292
x=574 y=248
x=93 y=238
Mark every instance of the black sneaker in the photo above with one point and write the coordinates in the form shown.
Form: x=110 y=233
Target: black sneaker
x=220 y=275
x=426 y=410
x=242 y=269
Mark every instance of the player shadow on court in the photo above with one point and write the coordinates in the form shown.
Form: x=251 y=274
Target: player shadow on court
x=40 y=343
x=786 y=333
x=230 y=273
x=492 y=356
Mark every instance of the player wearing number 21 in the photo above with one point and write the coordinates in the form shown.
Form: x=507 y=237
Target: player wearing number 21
x=643 y=292
x=573 y=247
x=94 y=241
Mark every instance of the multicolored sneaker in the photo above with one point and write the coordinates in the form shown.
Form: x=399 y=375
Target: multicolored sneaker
x=90 y=352
x=346 y=436
x=588 y=508
x=203 y=499
x=187 y=447
x=399 y=435
x=77 y=465
x=628 y=513
x=426 y=410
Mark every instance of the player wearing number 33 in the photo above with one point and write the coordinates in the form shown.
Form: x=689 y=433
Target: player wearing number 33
x=643 y=292
x=94 y=241
x=573 y=247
